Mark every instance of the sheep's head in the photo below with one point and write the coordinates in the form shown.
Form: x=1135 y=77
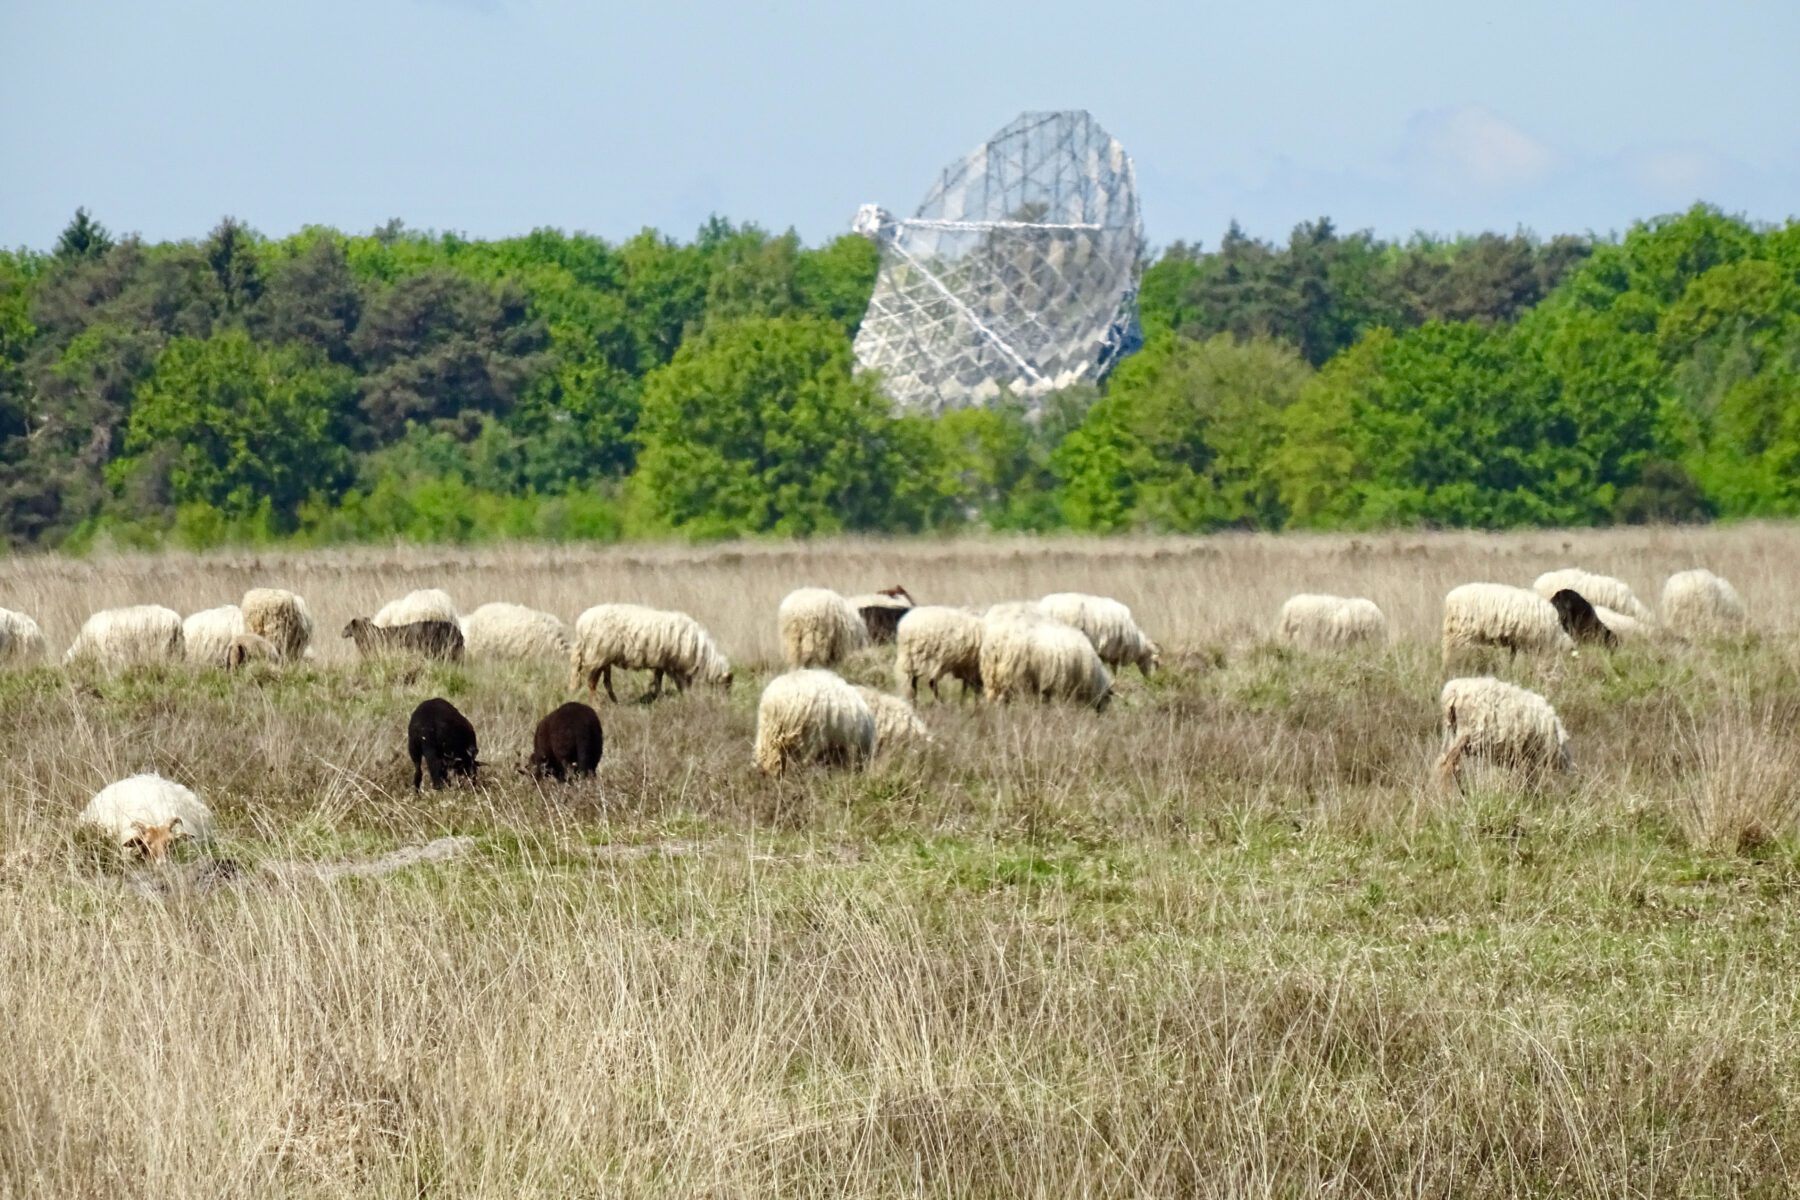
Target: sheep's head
x=358 y=629
x=153 y=842
x=1151 y=659
x=898 y=593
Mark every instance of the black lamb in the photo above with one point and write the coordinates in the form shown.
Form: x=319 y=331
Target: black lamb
x=568 y=742
x=1579 y=620
x=431 y=639
x=441 y=741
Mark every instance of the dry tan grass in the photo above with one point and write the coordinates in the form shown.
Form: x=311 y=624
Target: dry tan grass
x=1225 y=939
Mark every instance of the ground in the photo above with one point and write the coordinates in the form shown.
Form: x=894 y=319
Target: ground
x=1227 y=938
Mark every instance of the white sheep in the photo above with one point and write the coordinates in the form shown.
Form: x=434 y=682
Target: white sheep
x=1699 y=604
x=1108 y=624
x=425 y=604
x=1322 y=622
x=1597 y=590
x=514 y=632
x=812 y=716
x=644 y=639
x=118 y=637
x=1504 y=724
x=21 y=641
x=249 y=648
x=896 y=722
x=147 y=814
x=934 y=642
x=282 y=618
x=1013 y=608
x=819 y=628
x=207 y=634
x=1037 y=656
x=1496 y=614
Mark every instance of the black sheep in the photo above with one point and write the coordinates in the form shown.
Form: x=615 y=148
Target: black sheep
x=1579 y=620
x=441 y=741
x=883 y=620
x=568 y=742
x=431 y=639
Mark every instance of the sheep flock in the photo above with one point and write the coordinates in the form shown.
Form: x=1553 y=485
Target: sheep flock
x=1061 y=648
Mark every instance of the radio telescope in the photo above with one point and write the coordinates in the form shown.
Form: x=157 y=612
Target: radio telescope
x=1019 y=271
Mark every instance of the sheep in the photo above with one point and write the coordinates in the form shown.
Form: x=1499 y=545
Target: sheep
x=1615 y=594
x=819 y=628
x=512 y=631
x=1043 y=658
x=811 y=715
x=440 y=741
x=248 y=648
x=1580 y=620
x=1323 y=622
x=147 y=814
x=1699 y=604
x=119 y=637
x=207 y=634
x=1108 y=624
x=881 y=612
x=426 y=604
x=1013 y=608
x=282 y=618
x=896 y=724
x=934 y=642
x=567 y=742
x=1495 y=614
x=644 y=639
x=431 y=639
x=1507 y=725
x=21 y=641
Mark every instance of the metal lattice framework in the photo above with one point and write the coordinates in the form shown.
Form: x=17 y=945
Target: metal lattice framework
x=1019 y=270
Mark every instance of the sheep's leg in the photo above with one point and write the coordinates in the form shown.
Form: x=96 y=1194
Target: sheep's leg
x=418 y=774
x=655 y=691
x=606 y=678
x=439 y=775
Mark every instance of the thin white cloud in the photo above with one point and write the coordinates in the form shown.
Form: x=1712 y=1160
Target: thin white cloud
x=1472 y=148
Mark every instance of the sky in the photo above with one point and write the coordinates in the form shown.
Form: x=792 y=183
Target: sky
x=494 y=117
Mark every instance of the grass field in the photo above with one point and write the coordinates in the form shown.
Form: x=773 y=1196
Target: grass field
x=1225 y=939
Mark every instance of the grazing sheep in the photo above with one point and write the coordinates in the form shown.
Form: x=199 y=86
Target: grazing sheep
x=512 y=631
x=21 y=641
x=1495 y=614
x=122 y=637
x=248 y=648
x=881 y=612
x=1507 y=725
x=147 y=814
x=1580 y=620
x=896 y=724
x=440 y=741
x=281 y=617
x=1321 y=622
x=1615 y=594
x=1041 y=657
x=207 y=634
x=935 y=642
x=812 y=716
x=644 y=639
x=819 y=628
x=1030 y=609
x=426 y=604
x=568 y=742
x=430 y=639
x=1108 y=625
x=1699 y=604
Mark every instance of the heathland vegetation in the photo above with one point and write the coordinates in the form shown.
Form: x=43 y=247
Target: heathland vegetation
x=1227 y=938
x=328 y=387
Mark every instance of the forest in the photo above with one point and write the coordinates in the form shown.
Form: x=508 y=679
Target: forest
x=330 y=387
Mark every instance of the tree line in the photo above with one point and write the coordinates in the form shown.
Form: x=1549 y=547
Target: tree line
x=333 y=387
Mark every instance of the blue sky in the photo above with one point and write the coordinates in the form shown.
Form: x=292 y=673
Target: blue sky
x=491 y=117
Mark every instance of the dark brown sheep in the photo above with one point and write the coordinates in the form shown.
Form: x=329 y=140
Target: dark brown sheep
x=441 y=741
x=1579 y=620
x=430 y=639
x=883 y=620
x=568 y=742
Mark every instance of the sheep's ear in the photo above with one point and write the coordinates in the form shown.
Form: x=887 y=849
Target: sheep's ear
x=174 y=825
